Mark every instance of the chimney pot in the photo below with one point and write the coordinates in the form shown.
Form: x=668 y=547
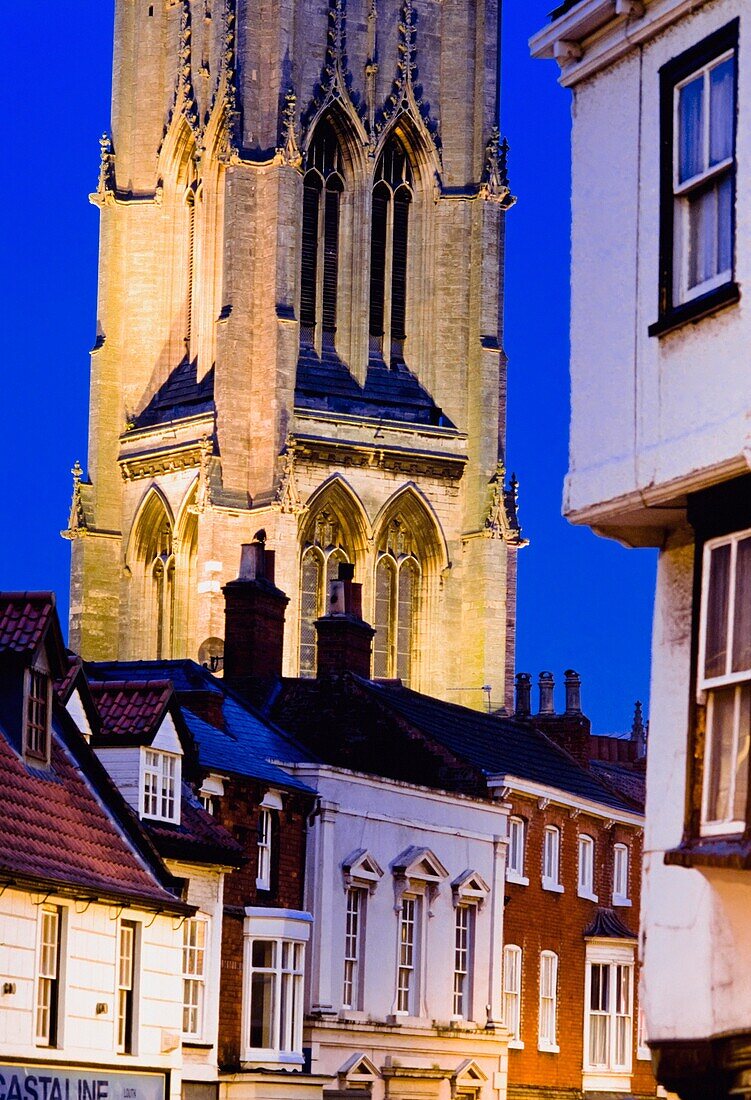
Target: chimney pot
x=572 y=681
x=546 y=685
x=523 y=707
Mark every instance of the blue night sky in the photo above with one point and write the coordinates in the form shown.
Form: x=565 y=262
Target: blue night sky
x=583 y=602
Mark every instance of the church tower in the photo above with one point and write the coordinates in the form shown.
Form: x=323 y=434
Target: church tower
x=300 y=309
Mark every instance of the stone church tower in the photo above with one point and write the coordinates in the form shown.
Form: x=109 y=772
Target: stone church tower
x=302 y=213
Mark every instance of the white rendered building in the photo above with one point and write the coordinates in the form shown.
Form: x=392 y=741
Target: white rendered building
x=659 y=456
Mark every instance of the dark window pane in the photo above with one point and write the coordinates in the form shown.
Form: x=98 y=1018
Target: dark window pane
x=720 y=764
x=330 y=260
x=309 y=266
x=691 y=129
x=721 y=110
x=716 y=640
x=378 y=260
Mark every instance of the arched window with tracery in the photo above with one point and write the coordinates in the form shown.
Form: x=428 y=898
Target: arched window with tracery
x=153 y=579
x=323 y=185
x=392 y=195
x=320 y=564
x=398 y=575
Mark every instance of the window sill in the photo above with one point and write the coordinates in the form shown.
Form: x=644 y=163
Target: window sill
x=696 y=309
x=606 y=1080
x=275 y=1057
x=549 y=1048
x=587 y=896
x=518 y=880
x=196 y=1044
x=515 y=1044
x=731 y=852
x=553 y=887
x=621 y=903
x=643 y=1054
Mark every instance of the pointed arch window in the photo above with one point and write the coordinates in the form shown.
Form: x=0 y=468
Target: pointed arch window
x=392 y=195
x=397 y=591
x=319 y=272
x=320 y=565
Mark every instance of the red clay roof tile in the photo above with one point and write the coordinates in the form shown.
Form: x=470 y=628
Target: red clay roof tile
x=24 y=618
x=131 y=710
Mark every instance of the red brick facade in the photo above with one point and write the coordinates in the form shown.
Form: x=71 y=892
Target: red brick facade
x=239 y=811
x=537 y=919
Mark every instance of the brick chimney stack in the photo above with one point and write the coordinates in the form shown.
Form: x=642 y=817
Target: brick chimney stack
x=254 y=619
x=523 y=707
x=345 y=640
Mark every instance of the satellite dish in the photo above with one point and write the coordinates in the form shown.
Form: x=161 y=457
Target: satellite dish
x=211 y=654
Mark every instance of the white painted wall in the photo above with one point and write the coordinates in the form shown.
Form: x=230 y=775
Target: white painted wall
x=645 y=410
x=89 y=960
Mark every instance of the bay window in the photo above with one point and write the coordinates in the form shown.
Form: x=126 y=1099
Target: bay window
x=697 y=217
x=724 y=682
x=609 y=1013
x=274 y=969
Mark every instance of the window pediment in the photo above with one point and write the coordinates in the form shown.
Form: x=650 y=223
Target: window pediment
x=470 y=886
x=361 y=868
x=357 y=1071
x=419 y=865
x=468 y=1075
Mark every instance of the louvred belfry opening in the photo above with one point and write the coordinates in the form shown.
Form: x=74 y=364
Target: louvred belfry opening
x=319 y=267
x=392 y=195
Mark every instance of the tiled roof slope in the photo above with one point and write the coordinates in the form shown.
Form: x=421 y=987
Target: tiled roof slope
x=343 y=724
x=630 y=781
x=235 y=749
x=24 y=620
x=498 y=746
x=130 y=711
x=248 y=744
x=64 y=684
x=198 y=837
x=58 y=826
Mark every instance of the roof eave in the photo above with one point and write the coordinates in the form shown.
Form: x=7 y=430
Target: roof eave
x=501 y=783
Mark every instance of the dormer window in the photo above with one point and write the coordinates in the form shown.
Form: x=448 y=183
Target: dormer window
x=37 y=723
x=161 y=779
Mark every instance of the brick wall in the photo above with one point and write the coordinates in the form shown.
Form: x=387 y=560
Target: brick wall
x=540 y=920
x=238 y=811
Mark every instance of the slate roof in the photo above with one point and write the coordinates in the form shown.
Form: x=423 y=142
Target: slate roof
x=25 y=618
x=131 y=711
x=608 y=925
x=182 y=395
x=248 y=744
x=498 y=746
x=197 y=838
x=66 y=826
x=630 y=781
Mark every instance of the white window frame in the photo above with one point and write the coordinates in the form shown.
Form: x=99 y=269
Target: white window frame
x=682 y=191
x=355 y=917
x=34 y=702
x=706 y=685
x=551 y=859
x=160 y=785
x=610 y=1074
x=586 y=867
x=517 y=842
x=409 y=955
x=512 y=993
x=548 y=1003
x=49 y=1000
x=621 y=868
x=265 y=823
x=194 y=972
x=126 y=1040
x=464 y=941
x=282 y=926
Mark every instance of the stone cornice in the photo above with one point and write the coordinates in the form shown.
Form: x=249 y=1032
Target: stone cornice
x=162 y=460
x=412 y=463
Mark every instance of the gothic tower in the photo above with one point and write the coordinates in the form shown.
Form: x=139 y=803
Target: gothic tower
x=302 y=213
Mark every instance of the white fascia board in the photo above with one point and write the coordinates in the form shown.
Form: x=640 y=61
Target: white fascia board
x=612 y=32
x=311 y=772
x=562 y=798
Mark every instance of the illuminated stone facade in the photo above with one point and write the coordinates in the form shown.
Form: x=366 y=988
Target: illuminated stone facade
x=299 y=332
